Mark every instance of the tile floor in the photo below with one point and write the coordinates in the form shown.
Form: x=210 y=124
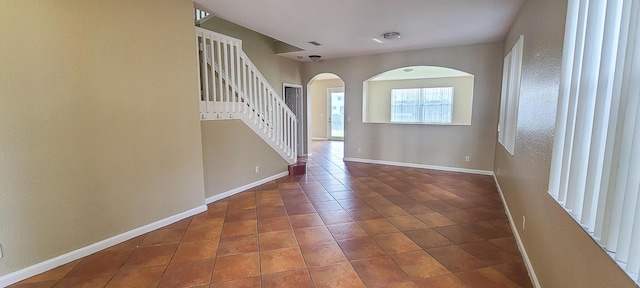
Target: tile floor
x=341 y=225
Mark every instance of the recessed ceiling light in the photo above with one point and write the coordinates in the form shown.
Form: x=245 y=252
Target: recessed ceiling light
x=391 y=35
x=377 y=40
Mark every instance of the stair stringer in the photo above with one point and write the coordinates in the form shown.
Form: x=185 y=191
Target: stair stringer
x=264 y=131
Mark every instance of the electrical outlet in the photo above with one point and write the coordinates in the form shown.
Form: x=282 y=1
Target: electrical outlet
x=359 y=150
x=257 y=169
x=523 y=222
x=348 y=119
x=1 y=255
x=498 y=172
x=466 y=158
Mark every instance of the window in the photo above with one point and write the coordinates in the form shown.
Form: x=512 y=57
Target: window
x=200 y=15
x=422 y=105
x=510 y=96
x=595 y=167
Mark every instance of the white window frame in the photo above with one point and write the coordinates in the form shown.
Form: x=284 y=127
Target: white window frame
x=511 y=74
x=423 y=91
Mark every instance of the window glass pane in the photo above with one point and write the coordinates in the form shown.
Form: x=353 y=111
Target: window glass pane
x=422 y=105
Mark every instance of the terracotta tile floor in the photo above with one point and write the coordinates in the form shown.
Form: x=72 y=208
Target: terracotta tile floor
x=341 y=225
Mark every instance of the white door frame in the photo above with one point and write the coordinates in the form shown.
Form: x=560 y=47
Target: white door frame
x=329 y=115
x=300 y=117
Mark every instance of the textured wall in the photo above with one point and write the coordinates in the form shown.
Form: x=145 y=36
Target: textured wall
x=98 y=122
x=422 y=144
x=563 y=255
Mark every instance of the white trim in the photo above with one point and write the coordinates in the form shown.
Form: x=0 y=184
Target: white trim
x=232 y=192
x=525 y=256
x=300 y=117
x=424 y=166
x=319 y=138
x=52 y=263
x=285 y=84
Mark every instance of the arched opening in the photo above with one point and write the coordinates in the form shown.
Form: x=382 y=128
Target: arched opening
x=419 y=95
x=326 y=109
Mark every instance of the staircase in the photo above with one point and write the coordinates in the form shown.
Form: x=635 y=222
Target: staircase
x=231 y=87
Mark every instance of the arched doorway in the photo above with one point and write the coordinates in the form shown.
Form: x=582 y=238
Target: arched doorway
x=326 y=108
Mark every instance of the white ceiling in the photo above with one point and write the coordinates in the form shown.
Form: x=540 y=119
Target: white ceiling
x=346 y=27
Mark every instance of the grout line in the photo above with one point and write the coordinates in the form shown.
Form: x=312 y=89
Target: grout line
x=82 y=252
x=322 y=171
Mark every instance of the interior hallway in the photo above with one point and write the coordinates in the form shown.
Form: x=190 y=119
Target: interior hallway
x=341 y=225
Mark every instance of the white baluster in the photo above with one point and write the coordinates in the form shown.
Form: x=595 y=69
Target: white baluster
x=220 y=95
x=244 y=85
x=230 y=75
x=270 y=115
x=200 y=91
x=260 y=98
x=212 y=77
x=226 y=75
x=276 y=124
x=238 y=82
x=295 y=140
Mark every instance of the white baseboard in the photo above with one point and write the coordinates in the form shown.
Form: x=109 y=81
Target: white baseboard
x=319 y=139
x=424 y=166
x=47 y=265
x=232 y=192
x=516 y=234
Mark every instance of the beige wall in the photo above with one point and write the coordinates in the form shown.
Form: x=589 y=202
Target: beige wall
x=318 y=95
x=422 y=144
x=231 y=152
x=378 y=96
x=563 y=255
x=98 y=122
x=261 y=50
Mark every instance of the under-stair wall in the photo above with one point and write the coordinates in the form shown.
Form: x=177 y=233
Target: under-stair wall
x=231 y=87
x=231 y=152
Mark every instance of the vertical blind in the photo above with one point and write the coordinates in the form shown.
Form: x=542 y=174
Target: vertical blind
x=595 y=168
x=422 y=105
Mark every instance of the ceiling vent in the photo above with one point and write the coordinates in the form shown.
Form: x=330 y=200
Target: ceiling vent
x=315 y=43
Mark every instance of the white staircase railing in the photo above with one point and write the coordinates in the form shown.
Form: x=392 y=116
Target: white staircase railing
x=231 y=87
